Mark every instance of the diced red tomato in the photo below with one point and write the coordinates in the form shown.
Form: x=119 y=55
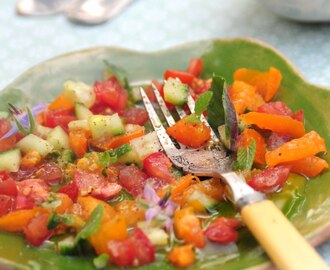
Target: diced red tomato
x=132 y=179
x=199 y=86
x=136 y=250
x=8 y=187
x=136 y=115
x=222 y=230
x=190 y=133
x=9 y=142
x=275 y=140
x=36 y=231
x=99 y=107
x=95 y=185
x=183 y=76
x=31 y=192
x=150 y=92
x=6 y=204
x=270 y=179
x=111 y=93
x=276 y=107
x=70 y=189
x=59 y=117
x=24 y=173
x=51 y=173
x=158 y=165
x=195 y=66
x=298 y=115
x=4 y=175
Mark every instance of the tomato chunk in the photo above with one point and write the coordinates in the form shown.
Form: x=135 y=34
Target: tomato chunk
x=36 y=231
x=6 y=204
x=9 y=142
x=222 y=230
x=158 y=165
x=95 y=185
x=111 y=93
x=136 y=250
x=190 y=133
x=270 y=179
x=183 y=76
x=132 y=179
x=276 y=107
x=196 y=66
x=51 y=173
x=8 y=187
x=59 y=117
x=70 y=189
x=137 y=116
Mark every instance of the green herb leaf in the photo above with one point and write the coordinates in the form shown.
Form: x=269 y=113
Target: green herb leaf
x=122 y=150
x=56 y=219
x=32 y=123
x=245 y=157
x=193 y=119
x=92 y=225
x=215 y=110
x=101 y=261
x=202 y=102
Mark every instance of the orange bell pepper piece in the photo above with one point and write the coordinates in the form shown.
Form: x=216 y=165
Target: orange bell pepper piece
x=245 y=140
x=61 y=102
x=78 y=139
x=110 y=229
x=182 y=256
x=31 y=159
x=188 y=227
x=245 y=96
x=266 y=83
x=15 y=221
x=66 y=203
x=117 y=141
x=308 y=145
x=308 y=167
x=278 y=123
x=132 y=211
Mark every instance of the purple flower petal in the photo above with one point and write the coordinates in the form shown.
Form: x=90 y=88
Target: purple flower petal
x=168 y=224
x=150 y=195
x=170 y=208
x=24 y=118
x=151 y=213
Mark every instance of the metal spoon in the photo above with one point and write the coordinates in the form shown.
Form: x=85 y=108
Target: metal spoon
x=96 y=11
x=43 y=7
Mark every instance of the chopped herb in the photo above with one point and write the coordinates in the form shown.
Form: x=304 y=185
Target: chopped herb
x=92 y=225
x=245 y=156
x=56 y=219
x=200 y=106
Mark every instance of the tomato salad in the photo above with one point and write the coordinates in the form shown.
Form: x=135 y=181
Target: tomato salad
x=87 y=171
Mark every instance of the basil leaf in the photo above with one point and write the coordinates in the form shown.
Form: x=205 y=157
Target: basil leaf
x=245 y=157
x=215 y=110
x=92 y=225
x=202 y=102
x=230 y=119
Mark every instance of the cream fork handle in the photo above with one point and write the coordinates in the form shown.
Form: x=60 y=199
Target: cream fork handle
x=285 y=246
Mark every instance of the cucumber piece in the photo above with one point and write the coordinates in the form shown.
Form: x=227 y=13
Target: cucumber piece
x=78 y=124
x=81 y=111
x=206 y=201
x=79 y=92
x=58 y=138
x=156 y=235
x=145 y=145
x=176 y=92
x=10 y=160
x=42 y=131
x=67 y=246
x=103 y=126
x=129 y=158
x=33 y=142
x=135 y=94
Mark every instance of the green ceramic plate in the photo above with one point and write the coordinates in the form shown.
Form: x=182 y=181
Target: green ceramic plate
x=306 y=203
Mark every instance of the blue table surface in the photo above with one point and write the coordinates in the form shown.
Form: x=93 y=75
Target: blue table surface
x=149 y=25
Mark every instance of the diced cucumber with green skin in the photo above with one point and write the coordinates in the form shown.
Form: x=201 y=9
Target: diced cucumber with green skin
x=58 y=138
x=67 y=246
x=129 y=158
x=156 y=235
x=81 y=111
x=79 y=92
x=33 y=142
x=145 y=145
x=105 y=126
x=42 y=131
x=136 y=95
x=10 y=160
x=207 y=201
x=176 y=92
x=78 y=124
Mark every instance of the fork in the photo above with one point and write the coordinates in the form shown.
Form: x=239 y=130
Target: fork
x=279 y=238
